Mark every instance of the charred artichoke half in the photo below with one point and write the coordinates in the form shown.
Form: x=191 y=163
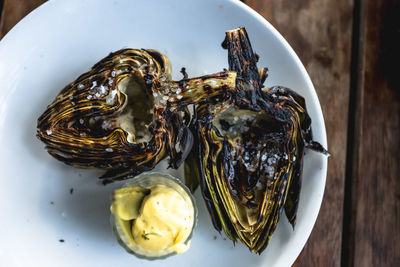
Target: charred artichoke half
x=248 y=153
x=126 y=114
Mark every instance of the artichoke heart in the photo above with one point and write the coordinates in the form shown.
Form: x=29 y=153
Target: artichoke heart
x=126 y=114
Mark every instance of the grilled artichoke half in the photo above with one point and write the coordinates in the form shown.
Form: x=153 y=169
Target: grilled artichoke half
x=248 y=152
x=126 y=114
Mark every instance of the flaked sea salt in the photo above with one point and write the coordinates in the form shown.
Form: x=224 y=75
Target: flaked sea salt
x=270 y=170
x=106 y=124
x=94 y=84
x=271 y=161
x=109 y=149
x=111 y=96
x=49 y=132
x=102 y=89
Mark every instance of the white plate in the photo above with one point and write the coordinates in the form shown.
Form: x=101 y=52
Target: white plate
x=62 y=39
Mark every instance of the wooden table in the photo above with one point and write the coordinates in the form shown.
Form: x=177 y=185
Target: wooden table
x=351 y=50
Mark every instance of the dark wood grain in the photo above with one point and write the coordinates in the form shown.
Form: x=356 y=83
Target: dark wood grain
x=320 y=32
x=1 y=8
x=375 y=237
x=13 y=11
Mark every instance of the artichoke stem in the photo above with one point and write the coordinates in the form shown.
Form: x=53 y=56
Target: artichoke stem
x=194 y=90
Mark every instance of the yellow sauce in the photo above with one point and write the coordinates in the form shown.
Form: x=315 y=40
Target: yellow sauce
x=163 y=220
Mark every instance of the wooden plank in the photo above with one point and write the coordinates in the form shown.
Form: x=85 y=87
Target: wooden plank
x=13 y=11
x=320 y=32
x=1 y=8
x=376 y=185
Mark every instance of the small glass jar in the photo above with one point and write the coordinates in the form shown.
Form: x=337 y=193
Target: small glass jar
x=123 y=229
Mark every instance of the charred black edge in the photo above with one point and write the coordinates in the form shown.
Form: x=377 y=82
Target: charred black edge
x=228 y=169
x=243 y=60
x=306 y=120
x=185 y=144
x=192 y=169
x=182 y=136
x=277 y=210
x=263 y=76
x=318 y=148
x=241 y=57
x=204 y=189
x=157 y=56
x=213 y=179
x=287 y=92
x=184 y=73
x=292 y=199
